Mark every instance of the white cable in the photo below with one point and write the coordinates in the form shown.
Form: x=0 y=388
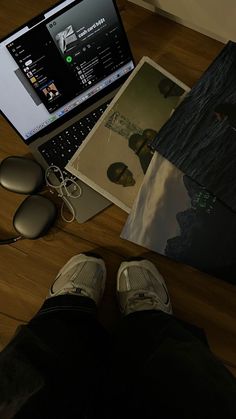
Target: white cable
x=71 y=209
x=63 y=187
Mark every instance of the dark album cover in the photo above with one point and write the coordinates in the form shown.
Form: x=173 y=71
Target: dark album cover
x=175 y=216
x=200 y=137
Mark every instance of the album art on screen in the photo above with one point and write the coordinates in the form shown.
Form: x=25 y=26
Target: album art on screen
x=176 y=217
x=200 y=137
x=115 y=156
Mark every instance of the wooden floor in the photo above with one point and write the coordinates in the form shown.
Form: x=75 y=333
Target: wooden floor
x=28 y=267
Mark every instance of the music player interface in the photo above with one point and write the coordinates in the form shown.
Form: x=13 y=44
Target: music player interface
x=64 y=57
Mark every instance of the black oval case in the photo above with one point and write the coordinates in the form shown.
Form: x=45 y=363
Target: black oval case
x=21 y=175
x=34 y=217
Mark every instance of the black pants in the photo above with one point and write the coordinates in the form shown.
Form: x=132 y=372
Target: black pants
x=152 y=366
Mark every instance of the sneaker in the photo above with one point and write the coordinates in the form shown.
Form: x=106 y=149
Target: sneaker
x=141 y=287
x=82 y=275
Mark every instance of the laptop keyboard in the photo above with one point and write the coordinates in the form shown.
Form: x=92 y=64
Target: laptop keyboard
x=58 y=150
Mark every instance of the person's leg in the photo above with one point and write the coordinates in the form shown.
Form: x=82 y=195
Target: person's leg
x=163 y=370
x=61 y=354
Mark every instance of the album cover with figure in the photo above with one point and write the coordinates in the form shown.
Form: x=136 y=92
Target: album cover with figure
x=116 y=154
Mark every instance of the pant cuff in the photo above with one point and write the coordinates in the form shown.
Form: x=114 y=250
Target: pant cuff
x=68 y=302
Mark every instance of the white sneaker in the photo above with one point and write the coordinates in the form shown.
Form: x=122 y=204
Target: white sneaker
x=81 y=275
x=141 y=287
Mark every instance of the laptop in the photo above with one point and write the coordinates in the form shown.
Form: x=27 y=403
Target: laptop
x=58 y=73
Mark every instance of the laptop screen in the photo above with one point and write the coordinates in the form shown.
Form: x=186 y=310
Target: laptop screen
x=59 y=61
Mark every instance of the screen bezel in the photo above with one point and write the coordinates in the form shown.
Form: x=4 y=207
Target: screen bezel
x=90 y=101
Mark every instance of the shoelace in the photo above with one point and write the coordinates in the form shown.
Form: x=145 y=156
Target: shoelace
x=150 y=299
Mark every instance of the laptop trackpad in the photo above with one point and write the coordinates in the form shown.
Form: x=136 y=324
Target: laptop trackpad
x=88 y=204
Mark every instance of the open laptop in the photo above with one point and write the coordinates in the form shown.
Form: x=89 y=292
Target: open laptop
x=58 y=73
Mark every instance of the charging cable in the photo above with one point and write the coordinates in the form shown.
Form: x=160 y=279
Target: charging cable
x=63 y=191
